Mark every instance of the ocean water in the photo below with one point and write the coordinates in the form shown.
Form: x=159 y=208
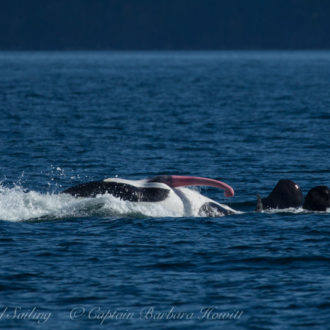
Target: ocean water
x=246 y=118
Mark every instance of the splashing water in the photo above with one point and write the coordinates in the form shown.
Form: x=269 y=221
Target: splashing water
x=18 y=205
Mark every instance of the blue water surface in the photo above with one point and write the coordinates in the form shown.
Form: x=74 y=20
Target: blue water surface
x=247 y=118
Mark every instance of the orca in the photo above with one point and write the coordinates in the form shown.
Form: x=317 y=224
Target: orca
x=159 y=189
x=285 y=194
x=317 y=199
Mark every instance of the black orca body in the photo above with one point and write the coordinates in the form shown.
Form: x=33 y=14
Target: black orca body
x=288 y=194
x=317 y=199
x=285 y=194
x=157 y=189
x=120 y=190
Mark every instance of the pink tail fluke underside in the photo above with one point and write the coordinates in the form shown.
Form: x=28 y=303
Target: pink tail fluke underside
x=180 y=181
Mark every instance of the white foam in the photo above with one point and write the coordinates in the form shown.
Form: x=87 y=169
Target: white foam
x=293 y=210
x=17 y=205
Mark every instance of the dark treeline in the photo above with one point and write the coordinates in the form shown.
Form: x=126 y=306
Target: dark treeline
x=164 y=24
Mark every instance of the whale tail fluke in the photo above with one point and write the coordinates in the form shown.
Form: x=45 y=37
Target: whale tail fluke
x=175 y=181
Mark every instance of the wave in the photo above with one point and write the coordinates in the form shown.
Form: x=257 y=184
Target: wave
x=293 y=210
x=18 y=205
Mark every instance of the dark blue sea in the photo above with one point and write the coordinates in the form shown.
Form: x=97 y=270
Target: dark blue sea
x=246 y=118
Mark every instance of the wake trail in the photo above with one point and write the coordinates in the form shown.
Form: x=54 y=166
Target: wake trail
x=18 y=205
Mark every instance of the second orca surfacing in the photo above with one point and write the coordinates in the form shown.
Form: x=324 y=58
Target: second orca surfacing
x=288 y=194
